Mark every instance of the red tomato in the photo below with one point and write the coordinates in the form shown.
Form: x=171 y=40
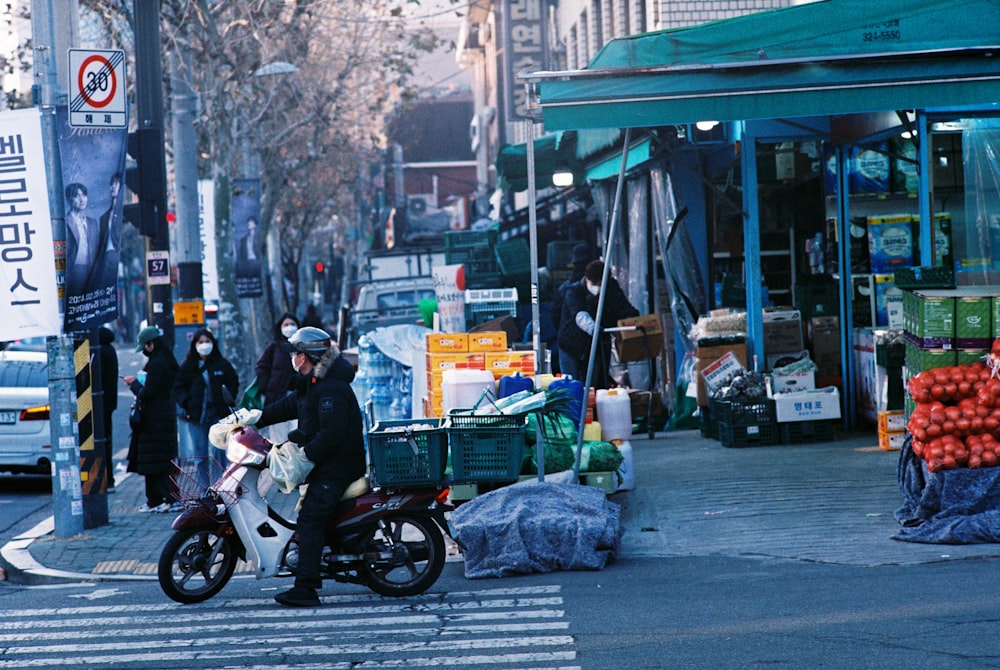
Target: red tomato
x=975 y=461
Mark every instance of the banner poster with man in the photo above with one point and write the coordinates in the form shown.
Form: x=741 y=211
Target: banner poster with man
x=93 y=162
x=245 y=204
x=30 y=302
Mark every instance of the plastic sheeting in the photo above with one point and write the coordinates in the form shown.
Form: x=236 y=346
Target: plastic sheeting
x=537 y=527
x=400 y=342
x=959 y=506
x=981 y=168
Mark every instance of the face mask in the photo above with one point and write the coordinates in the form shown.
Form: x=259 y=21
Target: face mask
x=288 y=331
x=203 y=348
x=296 y=366
x=593 y=288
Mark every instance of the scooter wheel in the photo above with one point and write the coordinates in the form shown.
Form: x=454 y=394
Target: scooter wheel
x=405 y=558
x=195 y=564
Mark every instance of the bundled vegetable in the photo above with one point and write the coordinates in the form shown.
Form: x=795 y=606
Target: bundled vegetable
x=956 y=423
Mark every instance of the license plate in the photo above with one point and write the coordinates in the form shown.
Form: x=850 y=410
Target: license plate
x=8 y=417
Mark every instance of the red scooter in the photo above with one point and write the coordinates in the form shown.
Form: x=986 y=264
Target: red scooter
x=390 y=540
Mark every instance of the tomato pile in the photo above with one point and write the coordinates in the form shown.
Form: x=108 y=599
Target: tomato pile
x=956 y=423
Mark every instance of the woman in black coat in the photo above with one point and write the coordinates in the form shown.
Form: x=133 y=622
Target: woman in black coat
x=203 y=374
x=275 y=376
x=154 y=441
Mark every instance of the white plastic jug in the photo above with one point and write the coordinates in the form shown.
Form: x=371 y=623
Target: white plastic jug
x=464 y=388
x=614 y=411
x=626 y=472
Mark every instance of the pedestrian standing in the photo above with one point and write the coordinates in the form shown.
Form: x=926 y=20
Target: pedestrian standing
x=154 y=439
x=202 y=376
x=275 y=376
x=109 y=398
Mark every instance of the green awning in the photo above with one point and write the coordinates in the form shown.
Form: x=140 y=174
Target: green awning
x=609 y=168
x=824 y=58
x=553 y=153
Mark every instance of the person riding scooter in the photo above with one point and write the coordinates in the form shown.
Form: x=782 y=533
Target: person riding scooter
x=330 y=433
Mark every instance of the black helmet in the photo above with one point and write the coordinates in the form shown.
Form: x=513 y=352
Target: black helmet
x=312 y=342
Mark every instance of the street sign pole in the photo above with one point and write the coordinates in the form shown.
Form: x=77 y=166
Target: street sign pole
x=67 y=494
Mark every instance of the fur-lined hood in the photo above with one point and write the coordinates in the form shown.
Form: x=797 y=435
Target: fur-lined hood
x=334 y=364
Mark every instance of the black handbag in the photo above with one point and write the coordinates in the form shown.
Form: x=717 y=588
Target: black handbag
x=135 y=414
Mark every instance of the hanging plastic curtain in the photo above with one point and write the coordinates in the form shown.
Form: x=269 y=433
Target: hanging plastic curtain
x=981 y=165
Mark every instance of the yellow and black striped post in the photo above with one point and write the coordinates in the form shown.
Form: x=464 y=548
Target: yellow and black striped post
x=90 y=430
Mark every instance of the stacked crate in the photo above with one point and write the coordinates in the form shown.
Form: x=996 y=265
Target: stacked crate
x=474 y=250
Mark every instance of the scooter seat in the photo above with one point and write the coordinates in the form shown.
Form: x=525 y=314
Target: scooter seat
x=357 y=488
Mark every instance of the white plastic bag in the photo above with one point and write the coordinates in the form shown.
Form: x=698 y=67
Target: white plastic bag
x=289 y=466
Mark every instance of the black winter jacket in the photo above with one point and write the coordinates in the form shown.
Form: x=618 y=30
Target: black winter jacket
x=154 y=443
x=329 y=416
x=190 y=387
x=275 y=375
x=577 y=298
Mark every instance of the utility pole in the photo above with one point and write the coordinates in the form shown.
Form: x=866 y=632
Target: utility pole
x=52 y=35
x=151 y=177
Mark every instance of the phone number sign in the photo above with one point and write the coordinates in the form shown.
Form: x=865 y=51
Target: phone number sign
x=97 y=88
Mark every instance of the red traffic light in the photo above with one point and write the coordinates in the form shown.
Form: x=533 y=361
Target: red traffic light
x=319 y=267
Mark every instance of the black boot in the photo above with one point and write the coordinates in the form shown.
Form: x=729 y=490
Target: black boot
x=299 y=596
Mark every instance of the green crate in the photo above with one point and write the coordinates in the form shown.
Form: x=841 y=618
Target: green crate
x=484 y=239
x=924 y=277
x=513 y=257
x=485 y=448
x=408 y=452
x=559 y=256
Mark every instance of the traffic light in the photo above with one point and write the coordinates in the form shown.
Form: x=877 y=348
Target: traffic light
x=147 y=179
x=319 y=269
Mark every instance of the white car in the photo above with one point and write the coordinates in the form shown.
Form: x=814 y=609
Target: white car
x=25 y=438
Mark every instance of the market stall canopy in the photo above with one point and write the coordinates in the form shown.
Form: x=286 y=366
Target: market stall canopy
x=824 y=58
x=553 y=153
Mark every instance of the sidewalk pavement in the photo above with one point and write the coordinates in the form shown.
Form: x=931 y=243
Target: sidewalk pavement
x=829 y=502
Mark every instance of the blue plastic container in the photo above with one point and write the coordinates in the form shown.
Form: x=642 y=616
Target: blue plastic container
x=575 y=388
x=515 y=383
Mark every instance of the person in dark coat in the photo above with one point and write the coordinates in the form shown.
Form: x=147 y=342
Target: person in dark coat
x=275 y=376
x=577 y=323
x=154 y=441
x=331 y=436
x=109 y=398
x=203 y=374
x=312 y=318
x=581 y=256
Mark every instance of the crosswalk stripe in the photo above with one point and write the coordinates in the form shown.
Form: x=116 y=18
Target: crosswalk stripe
x=506 y=627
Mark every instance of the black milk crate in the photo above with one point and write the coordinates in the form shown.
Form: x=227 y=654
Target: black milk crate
x=924 y=277
x=742 y=411
x=485 y=447
x=804 y=432
x=748 y=435
x=408 y=452
x=709 y=426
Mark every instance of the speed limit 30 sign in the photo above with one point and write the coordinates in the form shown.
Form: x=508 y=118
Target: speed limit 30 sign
x=97 y=88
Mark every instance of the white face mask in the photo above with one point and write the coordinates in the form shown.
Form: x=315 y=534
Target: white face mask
x=593 y=288
x=203 y=348
x=288 y=331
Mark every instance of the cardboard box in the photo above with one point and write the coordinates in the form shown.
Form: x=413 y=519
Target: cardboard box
x=891 y=441
x=888 y=302
x=485 y=342
x=782 y=331
x=813 y=405
x=639 y=345
x=863 y=300
x=800 y=381
x=773 y=361
x=470 y=361
x=705 y=356
x=440 y=343
x=891 y=421
x=503 y=363
x=890 y=242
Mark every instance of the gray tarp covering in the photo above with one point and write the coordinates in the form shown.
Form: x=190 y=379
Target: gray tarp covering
x=959 y=506
x=537 y=527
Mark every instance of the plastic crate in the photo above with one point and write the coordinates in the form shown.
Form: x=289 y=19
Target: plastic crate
x=709 y=428
x=892 y=355
x=751 y=435
x=475 y=259
x=456 y=239
x=514 y=257
x=408 y=452
x=924 y=277
x=803 y=432
x=485 y=448
x=743 y=412
x=482 y=305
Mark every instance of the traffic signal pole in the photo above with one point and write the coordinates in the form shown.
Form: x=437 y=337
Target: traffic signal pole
x=147 y=148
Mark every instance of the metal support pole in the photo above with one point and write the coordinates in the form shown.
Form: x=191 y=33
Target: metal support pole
x=149 y=109
x=67 y=494
x=612 y=231
x=183 y=115
x=532 y=227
